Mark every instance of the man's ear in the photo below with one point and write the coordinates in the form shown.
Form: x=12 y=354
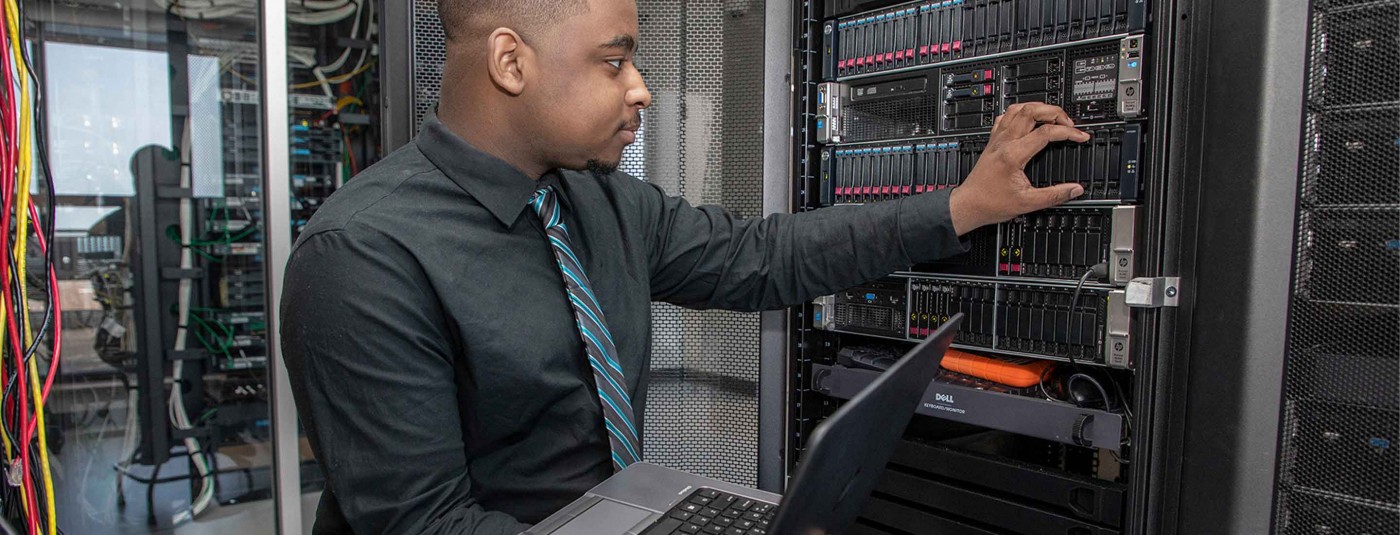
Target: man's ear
x=507 y=57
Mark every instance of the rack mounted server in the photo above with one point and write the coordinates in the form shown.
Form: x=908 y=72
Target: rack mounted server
x=899 y=99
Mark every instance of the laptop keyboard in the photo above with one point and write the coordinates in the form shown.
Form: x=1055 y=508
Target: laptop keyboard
x=711 y=512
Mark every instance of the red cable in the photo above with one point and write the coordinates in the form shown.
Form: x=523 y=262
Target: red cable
x=57 y=304
x=6 y=208
x=21 y=375
x=8 y=103
x=350 y=151
x=57 y=319
x=6 y=169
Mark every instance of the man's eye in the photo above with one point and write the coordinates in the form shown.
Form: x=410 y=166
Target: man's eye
x=616 y=63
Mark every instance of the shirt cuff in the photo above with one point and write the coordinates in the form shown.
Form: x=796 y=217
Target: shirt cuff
x=926 y=228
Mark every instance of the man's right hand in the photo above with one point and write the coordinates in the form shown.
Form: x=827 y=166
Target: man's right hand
x=998 y=189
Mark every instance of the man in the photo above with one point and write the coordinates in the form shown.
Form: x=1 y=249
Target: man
x=466 y=323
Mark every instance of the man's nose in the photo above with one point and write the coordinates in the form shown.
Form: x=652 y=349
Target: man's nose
x=638 y=95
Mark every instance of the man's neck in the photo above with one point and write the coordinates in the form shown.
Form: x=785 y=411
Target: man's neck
x=485 y=129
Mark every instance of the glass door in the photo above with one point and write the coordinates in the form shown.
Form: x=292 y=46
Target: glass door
x=153 y=121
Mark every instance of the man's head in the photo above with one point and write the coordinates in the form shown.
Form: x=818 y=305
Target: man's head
x=555 y=77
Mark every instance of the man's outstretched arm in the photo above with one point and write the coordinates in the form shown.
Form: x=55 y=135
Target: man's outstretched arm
x=707 y=258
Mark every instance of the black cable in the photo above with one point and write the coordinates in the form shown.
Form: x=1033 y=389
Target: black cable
x=1043 y=391
x=5 y=524
x=49 y=227
x=1122 y=399
x=35 y=471
x=28 y=354
x=1098 y=271
x=1107 y=406
x=41 y=142
x=48 y=231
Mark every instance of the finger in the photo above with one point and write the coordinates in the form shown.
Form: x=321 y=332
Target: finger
x=1012 y=123
x=1048 y=114
x=1021 y=118
x=1022 y=150
x=1052 y=196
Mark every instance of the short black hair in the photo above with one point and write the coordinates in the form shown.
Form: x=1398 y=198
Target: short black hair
x=462 y=18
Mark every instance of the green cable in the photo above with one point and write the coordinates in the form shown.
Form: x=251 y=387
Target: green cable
x=224 y=342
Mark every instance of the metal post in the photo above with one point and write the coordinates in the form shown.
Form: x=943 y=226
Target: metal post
x=277 y=232
x=1245 y=170
x=777 y=187
x=396 y=81
x=150 y=342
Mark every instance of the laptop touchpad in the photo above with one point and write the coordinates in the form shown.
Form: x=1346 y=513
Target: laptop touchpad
x=606 y=516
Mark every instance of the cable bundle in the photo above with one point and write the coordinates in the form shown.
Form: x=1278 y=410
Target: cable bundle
x=202 y=461
x=26 y=494
x=325 y=80
x=309 y=12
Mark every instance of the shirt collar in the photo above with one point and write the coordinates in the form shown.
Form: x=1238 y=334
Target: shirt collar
x=497 y=185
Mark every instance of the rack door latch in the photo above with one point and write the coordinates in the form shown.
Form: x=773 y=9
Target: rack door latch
x=1154 y=292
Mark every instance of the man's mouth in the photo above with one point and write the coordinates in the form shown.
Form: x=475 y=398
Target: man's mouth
x=629 y=130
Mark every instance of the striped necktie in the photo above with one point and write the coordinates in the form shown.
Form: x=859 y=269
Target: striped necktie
x=597 y=339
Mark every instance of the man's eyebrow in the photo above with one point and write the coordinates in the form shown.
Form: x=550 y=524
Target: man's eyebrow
x=625 y=42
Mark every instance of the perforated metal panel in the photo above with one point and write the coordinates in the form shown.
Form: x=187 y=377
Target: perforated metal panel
x=702 y=140
x=1339 y=469
x=429 y=53
x=703 y=61
x=892 y=118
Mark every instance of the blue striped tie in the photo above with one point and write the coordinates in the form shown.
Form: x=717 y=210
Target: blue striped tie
x=597 y=339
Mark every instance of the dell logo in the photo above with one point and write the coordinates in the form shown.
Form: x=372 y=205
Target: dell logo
x=943 y=398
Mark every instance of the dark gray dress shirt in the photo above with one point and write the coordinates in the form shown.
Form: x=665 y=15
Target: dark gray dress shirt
x=435 y=360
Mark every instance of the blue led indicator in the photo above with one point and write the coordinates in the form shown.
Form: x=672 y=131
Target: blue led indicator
x=1132 y=64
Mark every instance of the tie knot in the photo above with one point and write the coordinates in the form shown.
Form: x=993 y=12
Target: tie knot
x=541 y=194
x=546 y=206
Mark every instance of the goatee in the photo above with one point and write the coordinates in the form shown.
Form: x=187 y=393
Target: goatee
x=601 y=169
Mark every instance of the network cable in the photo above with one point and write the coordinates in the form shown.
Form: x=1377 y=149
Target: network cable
x=29 y=500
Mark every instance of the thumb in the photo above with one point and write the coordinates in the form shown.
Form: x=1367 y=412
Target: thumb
x=1055 y=195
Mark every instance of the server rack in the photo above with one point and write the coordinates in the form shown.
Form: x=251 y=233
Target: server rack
x=1338 y=467
x=897 y=98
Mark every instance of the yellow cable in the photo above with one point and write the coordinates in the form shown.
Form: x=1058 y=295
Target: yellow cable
x=335 y=79
x=26 y=137
x=346 y=101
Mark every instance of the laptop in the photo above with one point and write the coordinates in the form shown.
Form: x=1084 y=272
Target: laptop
x=844 y=460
